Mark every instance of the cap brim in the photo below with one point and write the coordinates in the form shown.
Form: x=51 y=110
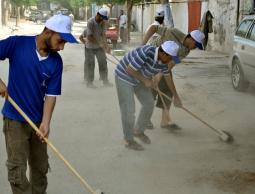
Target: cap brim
x=105 y=17
x=176 y=59
x=199 y=46
x=68 y=37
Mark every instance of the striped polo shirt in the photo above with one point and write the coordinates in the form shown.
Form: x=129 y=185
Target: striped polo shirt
x=144 y=60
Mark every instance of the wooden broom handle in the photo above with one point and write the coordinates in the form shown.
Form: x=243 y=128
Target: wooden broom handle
x=31 y=123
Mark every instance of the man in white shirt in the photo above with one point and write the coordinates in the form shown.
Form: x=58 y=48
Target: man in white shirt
x=159 y=20
x=123 y=26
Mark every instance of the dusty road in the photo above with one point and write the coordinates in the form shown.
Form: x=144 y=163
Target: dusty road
x=86 y=128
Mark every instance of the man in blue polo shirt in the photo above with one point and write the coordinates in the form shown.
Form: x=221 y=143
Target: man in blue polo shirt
x=133 y=76
x=35 y=75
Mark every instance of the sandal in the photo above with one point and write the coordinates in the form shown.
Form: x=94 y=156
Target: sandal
x=171 y=126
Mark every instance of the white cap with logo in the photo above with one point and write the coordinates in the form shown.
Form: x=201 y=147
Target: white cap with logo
x=62 y=25
x=171 y=48
x=199 y=37
x=104 y=13
x=160 y=13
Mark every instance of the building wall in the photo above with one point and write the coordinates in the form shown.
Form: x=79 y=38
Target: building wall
x=225 y=22
x=180 y=15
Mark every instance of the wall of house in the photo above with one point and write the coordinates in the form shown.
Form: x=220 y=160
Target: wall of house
x=224 y=22
x=180 y=15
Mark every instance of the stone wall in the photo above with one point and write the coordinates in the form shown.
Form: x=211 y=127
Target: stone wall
x=225 y=22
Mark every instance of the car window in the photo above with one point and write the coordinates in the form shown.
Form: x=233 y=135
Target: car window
x=243 y=28
x=252 y=33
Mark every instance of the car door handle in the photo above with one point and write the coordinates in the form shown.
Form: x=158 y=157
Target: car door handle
x=242 y=47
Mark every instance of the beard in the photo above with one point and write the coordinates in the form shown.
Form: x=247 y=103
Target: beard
x=48 y=44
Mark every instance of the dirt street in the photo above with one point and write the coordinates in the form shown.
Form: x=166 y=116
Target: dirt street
x=86 y=128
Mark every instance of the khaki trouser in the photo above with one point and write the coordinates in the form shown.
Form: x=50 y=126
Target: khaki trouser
x=22 y=146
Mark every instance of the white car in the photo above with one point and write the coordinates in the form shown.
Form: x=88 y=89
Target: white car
x=242 y=63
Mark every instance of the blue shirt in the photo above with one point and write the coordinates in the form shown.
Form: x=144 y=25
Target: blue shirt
x=144 y=60
x=30 y=79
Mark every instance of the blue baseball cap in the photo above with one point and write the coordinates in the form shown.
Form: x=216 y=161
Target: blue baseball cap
x=61 y=24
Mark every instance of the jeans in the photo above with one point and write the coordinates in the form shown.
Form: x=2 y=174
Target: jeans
x=89 y=65
x=22 y=146
x=126 y=95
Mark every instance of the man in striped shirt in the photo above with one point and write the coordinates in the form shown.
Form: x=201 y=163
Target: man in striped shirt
x=133 y=76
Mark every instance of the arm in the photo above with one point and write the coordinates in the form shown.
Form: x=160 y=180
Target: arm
x=49 y=105
x=82 y=39
x=171 y=86
x=147 y=82
x=104 y=44
x=149 y=34
x=3 y=89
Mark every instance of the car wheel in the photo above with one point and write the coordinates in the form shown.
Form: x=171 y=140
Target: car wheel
x=238 y=80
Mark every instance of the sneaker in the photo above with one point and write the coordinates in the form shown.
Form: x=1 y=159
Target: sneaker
x=150 y=125
x=91 y=85
x=108 y=84
x=132 y=144
x=144 y=138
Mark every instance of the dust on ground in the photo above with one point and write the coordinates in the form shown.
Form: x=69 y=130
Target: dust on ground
x=236 y=181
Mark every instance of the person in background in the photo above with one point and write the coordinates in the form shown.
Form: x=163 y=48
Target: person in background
x=123 y=26
x=96 y=45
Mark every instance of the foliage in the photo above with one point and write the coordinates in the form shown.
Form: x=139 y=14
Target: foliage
x=24 y=2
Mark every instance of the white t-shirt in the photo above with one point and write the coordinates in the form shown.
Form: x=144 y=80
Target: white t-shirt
x=123 y=21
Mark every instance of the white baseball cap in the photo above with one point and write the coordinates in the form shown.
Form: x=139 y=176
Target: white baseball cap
x=61 y=24
x=103 y=12
x=171 y=48
x=160 y=13
x=199 y=37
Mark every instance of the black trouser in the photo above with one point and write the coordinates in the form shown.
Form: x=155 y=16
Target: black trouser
x=89 y=67
x=165 y=89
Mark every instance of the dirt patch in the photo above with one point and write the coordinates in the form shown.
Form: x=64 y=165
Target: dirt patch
x=237 y=182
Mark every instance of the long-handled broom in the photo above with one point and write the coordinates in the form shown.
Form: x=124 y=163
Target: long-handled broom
x=82 y=180
x=223 y=135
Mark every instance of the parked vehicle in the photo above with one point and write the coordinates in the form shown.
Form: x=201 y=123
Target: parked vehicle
x=112 y=32
x=39 y=16
x=242 y=61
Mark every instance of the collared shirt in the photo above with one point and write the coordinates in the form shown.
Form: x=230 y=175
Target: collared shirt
x=31 y=78
x=144 y=60
x=97 y=30
x=173 y=34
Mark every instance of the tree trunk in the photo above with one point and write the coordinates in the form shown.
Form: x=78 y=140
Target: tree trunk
x=5 y=12
x=1 y=11
x=129 y=17
x=17 y=15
